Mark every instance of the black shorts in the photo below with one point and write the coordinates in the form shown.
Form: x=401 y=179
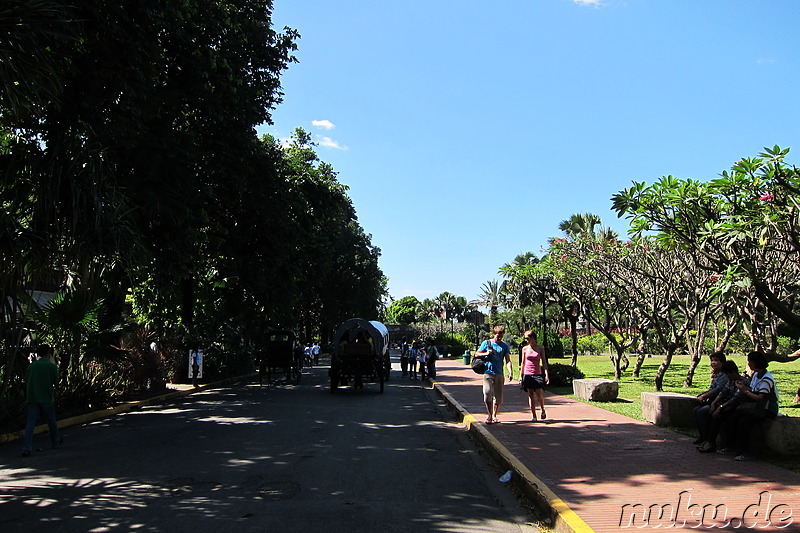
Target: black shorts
x=532 y=381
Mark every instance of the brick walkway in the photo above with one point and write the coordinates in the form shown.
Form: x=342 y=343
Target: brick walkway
x=617 y=473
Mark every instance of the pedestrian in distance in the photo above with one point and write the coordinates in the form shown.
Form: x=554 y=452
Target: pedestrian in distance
x=422 y=360
x=315 y=352
x=433 y=355
x=404 y=357
x=497 y=353
x=534 y=374
x=412 y=359
x=40 y=397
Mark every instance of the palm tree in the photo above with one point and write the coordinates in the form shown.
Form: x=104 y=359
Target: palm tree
x=580 y=225
x=427 y=309
x=491 y=294
x=453 y=306
x=607 y=234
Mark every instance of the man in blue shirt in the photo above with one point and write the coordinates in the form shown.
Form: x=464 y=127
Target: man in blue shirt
x=498 y=352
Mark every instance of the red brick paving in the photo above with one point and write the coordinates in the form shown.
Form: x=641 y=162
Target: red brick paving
x=597 y=462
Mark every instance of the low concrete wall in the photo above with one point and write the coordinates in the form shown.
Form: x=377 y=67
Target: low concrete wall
x=782 y=435
x=596 y=389
x=668 y=408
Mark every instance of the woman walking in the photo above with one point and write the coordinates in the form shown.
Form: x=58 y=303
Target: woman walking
x=534 y=373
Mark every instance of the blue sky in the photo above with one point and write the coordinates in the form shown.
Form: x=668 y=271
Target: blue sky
x=468 y=130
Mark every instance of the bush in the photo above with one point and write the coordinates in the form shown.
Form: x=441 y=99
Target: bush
x=566 y=345
x=562 y=375
x=451 y=344
x=594 y=344
x=554 y=348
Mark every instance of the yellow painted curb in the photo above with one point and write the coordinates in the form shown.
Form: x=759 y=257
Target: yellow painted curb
x=122 y=408
x=564 y=519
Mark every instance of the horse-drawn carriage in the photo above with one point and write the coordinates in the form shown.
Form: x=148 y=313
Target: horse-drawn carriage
x=360 y=353
x=282 y=356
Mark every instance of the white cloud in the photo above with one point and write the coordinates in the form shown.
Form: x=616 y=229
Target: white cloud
x=764 y=61
x=327 y=142
x=588 y=2
x=324 y=124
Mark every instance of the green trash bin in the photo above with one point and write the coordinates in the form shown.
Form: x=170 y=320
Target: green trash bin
x=466 y=357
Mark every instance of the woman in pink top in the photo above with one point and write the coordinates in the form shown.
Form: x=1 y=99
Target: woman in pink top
x=534 y=375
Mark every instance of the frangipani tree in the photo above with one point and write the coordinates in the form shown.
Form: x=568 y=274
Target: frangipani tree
x=744 y=225
x=743 y=228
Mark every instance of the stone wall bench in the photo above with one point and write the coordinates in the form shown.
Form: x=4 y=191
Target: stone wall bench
x=782 y=435
x=668 y=408
x=596 y=389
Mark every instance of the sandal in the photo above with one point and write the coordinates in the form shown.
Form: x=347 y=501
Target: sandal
x=488 y=421
x=544 y=415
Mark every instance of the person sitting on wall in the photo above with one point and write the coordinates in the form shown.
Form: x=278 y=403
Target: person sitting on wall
x=723 y=406
x=760 y=402
x=702 y=412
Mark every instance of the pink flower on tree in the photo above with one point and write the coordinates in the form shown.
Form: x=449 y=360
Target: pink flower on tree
x=767 y=197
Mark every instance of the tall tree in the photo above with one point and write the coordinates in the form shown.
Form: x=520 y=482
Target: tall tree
x=403 y=311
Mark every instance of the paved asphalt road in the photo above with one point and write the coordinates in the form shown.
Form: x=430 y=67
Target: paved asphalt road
x=249 y=458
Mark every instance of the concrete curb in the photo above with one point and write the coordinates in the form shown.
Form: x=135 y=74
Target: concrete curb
x=563 y=519
x=123 y=408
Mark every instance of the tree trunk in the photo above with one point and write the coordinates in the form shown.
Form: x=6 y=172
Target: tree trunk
x=687 y=381
x=573 y=325
x=662 y=369
x=637 y=368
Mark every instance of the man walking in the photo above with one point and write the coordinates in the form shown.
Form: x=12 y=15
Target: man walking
x=497 y=352
x=40 y=382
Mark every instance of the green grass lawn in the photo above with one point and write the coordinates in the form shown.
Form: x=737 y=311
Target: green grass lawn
x=787 y=377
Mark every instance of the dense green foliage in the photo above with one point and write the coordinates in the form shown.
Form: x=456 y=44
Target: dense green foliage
x=403 y=311
x=134 y=186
